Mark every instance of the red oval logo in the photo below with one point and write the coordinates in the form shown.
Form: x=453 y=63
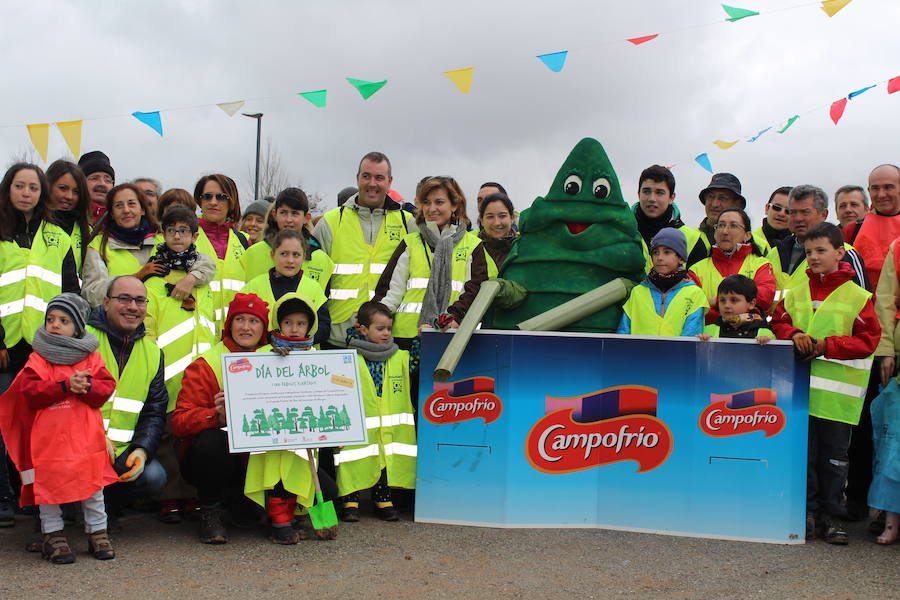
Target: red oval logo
x=463 y=400
x=742 y=412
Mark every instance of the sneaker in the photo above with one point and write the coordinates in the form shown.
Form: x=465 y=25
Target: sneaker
x=285 y=534
x=387 y=513
x=212 y=530
x=7 y=512
x=55 y=548
x=832 y=531
x=350 y=514
x=169 y=511
x=99 y=545
x=810 y=525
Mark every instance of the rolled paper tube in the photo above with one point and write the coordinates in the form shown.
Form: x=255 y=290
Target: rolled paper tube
x=460 y=340
x=579 y=307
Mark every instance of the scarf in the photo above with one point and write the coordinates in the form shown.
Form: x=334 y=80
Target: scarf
x=132 y=237
x=664 y=283
x=774 y=235
x=371 y=351
x=277 y=340
x=437 y=295
x=62 y=349
x=650 y=226
x=176 y=261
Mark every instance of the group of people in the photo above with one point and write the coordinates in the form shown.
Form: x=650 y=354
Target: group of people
x=118 y=301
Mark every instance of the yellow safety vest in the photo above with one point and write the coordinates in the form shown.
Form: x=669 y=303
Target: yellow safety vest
x=645 y=321
x=836 y=387
x=12 y=290
x=358 y=266
x=713 y=330
x=691 y=236
x=391 y=431
x=710 y=278
x=43 y=275
x=121 y=412
x=258 y=260
x=229 y=277
x=118 y=261
x=262 y=287
x=761 y=240
x=788 y=281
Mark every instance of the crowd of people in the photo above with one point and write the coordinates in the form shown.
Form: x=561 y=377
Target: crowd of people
x=117 y=301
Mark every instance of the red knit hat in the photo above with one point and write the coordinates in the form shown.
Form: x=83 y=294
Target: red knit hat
x=247 y=304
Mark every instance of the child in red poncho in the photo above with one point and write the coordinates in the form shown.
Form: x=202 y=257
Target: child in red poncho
x=50 y=419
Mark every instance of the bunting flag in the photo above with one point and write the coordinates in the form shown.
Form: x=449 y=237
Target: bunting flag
x=555 y=61
x=893 y=85
x=71 y=132
x=837 y=110
x=858 y=92
x=461 y=78
x=789 y=123
x=317 y=98
x=640 y=40
x=725 y=145
x=40 y=138
x=736 y=14
x=703 y=161
x=230 y=108
x=831 y=7
x=150 y=119
x=759 y=135
x=366 y=88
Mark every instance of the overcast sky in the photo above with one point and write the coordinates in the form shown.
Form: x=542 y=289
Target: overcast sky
x=661 y=102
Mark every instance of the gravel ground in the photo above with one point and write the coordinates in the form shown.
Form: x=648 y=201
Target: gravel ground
x=408 y=560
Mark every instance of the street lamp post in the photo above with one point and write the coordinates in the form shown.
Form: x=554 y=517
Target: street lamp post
x=258 y=117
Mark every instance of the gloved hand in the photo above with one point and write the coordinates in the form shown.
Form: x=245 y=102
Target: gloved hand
x=152 y=269
x=135 y=461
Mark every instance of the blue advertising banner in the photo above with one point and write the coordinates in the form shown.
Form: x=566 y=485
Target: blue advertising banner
x=656 y=434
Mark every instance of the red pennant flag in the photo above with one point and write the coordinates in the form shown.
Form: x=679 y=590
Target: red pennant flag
x=640 y=40
x=837 y=110
x=893 y=85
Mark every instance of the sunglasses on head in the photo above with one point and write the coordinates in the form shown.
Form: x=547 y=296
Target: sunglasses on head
x=220 y=197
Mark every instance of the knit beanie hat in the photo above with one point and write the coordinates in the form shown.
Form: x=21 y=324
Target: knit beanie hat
x=295 y=305
x=247 y=304
x=670 y=238
x=96 y=161
x=73 y=305
x=260 y=207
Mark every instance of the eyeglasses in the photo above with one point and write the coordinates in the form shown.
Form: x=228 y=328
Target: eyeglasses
x=220 y=196
x=95 y=177
x=722 y=226
x=125 y=300
x=181 y=232
x=779 y=208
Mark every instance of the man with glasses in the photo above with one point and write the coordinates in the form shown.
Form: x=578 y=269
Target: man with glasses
x=775 y=225
x=723 y=191
x=101 y=178
x=134 y=418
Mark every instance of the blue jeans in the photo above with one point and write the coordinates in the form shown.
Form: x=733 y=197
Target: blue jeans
x=150 y=483
x=6 y=490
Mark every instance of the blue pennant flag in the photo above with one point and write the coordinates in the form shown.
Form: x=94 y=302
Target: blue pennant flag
x=150 y=119
x=555 y=61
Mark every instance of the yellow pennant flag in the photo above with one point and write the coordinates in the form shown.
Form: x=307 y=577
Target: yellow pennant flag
x=725 y=145
x=40 y=137
x=71 y=132
x=461 y=78
x=231 y=107
x=831 y=7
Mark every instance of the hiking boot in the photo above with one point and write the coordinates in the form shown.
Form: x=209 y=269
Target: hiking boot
x=810 y=525
x=387 y=513
x=169 y=511
x=212 y=530
x=350 y=514
x=55 y=548
x=302 y=525
x=7 y=512
x=99 y=545
x=832 y=531
x=285 y=534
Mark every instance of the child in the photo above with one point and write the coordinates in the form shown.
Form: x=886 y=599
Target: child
x=831 y=317
x=253 y=221
x=50 y=419
x=666 y=302
x=384 y=381
x=738 y=317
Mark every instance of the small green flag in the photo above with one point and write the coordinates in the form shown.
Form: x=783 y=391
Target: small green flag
x=366 y=88
x=789 y=123
x=317 y=97
x=736 y=14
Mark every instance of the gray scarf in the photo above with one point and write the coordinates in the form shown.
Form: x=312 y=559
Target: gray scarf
x=373 y=352
x=437 y=295
x=62 y=349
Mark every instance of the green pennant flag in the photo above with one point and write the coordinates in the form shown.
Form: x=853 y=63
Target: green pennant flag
x=366 y=88
x=736 y=14
x=789 y=123
x=317 y=98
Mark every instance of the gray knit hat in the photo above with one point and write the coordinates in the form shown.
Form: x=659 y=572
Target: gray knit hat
x=73 y=305
x=260 y=207
x=670 y=238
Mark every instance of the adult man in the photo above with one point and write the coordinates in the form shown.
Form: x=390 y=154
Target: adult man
x=488 y=188
x=101 y=177
x=151 y=189
x=135 y=416
x=723 y=191
x=360 y=238
x=656 y=210
x=775 y=225
x=850 y=204
x=873 y=233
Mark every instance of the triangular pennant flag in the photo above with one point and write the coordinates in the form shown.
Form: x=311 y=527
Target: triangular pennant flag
x=736 y=14
x=40 y=137
x=837 y=110
x=150 y=119
x=231 y=108
x=71 y=132
x=640 y=40
x=789 y=123
x=461 y=78
x=725 y=145
x=317 y=98
x=858 y=92
x=703 y=161
x=555 y=61
x=893 y=85
x=759 y=135
x=831 y=7
x=366 y=88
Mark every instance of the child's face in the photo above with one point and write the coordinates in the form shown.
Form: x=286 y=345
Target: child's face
x=58 y=322
x=732 y=304
x=288 y=258
x=290 y=218
x=253 y=225
x=379 y=330
x=179 y=237
x=294 y=325
x=665 y=261
x=822 y=256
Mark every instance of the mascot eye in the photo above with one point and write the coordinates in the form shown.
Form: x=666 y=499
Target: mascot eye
x=601 y=188
x=572 y=185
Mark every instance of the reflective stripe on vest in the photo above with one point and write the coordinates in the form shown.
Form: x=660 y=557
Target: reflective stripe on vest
x=836 y=387
x=710 y=277
x=229 y=279
x=43 y=275
x=641 y=310
x=12 y=290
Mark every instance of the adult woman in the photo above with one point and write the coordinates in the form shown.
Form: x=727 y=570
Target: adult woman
x=734 y=252
x=70 y=203
x=430 y=267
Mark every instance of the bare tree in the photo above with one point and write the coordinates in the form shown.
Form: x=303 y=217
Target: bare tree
x=26 y=154
x=273 y=176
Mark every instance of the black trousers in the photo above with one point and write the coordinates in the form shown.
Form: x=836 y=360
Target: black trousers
x=827 y=466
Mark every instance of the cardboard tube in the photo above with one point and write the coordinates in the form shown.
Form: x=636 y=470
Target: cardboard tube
x=457 y=345
x=579 y=307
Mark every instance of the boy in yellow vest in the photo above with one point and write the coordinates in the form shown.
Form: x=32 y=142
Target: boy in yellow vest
x=832 y=322
x=738 y=315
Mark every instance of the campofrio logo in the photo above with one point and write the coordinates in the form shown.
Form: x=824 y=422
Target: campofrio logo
x=742 y=412
x=240 y=365
x=604 y=427
x=462 y=400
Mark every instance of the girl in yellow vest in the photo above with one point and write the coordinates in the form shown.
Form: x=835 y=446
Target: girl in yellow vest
x=69 y=201
x=430 y=267
x=253 y=221
x=666 y=302
x=389 y=459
